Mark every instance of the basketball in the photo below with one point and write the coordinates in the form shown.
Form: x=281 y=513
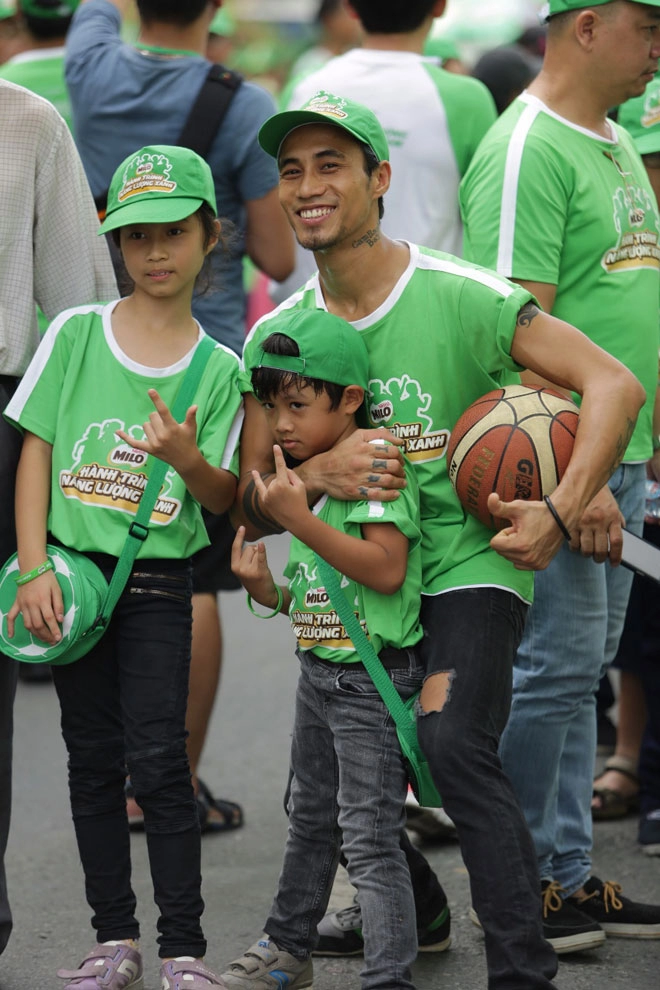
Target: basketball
x=516 y=441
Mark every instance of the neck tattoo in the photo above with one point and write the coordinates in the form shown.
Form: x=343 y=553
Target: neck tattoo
x=370 y=238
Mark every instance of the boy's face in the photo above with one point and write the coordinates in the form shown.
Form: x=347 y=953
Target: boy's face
x=303 y=424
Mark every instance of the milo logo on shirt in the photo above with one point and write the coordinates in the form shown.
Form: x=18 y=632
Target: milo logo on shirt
x=314 y=621
x=107 y=472
x=636 y=221
x=401 y=406
x=146 y=173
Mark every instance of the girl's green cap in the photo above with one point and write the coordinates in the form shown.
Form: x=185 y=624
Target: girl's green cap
x=158 y=184
x=324 y=108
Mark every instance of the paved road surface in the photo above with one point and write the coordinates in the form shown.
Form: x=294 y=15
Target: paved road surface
x=246 y=760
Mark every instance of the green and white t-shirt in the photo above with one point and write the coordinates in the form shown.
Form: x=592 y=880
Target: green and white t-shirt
x=388 y=620
x=78 y=390
x=547 y=201
x=434 y=121
x=440 y=340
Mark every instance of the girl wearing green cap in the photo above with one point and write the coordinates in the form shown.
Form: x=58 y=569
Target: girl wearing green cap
x=95 y=407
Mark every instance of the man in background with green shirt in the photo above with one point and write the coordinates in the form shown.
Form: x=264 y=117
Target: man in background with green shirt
x=557 y=199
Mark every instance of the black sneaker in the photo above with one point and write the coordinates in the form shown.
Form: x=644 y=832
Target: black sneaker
x=618 y=915
x=649 y=833
x=564 y=927
x=340 y=933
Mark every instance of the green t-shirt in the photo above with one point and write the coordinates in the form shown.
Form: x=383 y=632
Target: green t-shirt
x=79 y=388
x=547 y=201
x=42 y=72
x=388 y=620
x=440 y=340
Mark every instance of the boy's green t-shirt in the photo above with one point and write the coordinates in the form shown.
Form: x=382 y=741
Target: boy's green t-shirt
x=439 y=341
x=547 y=201
x=388 y=620
x=78 y=390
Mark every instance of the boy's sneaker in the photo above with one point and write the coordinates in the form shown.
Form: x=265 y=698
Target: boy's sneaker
x=649 y=833
x=187 y=973
x=110 y=966
x=340 y=933
x=618 y=915
x=564 y=927
x=265 y=967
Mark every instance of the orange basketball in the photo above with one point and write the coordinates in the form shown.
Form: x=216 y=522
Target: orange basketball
x=516 y=441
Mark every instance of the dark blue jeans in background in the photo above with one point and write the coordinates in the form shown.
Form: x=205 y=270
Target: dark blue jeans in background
x=124 y=709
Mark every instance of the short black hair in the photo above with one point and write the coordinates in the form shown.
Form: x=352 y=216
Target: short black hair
x=269 y=382
x=171 y=11
x=392 y=16
x=371 y=163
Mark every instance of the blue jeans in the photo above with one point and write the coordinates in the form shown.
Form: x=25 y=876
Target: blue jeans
x=473 y=634
x=349 y=781
x=549 y=745
x=124 y=708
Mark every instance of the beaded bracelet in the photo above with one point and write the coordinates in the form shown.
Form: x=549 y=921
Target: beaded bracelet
x=34 y=573
x=557 y=518
x=276 y=610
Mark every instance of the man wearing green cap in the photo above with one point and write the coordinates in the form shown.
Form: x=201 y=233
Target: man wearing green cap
x=440 y=333
x=40 y=66
x=557 y=199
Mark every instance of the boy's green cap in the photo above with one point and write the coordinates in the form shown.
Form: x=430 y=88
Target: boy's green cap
x=561 y=6
x=641 y=118
x=330 y=348
x=325 y=108
x=158 y=184
x=49 y=10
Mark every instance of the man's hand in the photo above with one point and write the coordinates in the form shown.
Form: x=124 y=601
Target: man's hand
x=40 y=603
x=532 y=539
x=250 y=565
x=285 y=499
x=599 y=533
x=172 y=442
x=357 y=468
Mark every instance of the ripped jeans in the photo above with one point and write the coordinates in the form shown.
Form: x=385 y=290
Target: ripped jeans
x=124 y=708
x=473 y=634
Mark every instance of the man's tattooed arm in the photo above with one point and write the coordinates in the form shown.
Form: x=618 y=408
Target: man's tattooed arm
x=527 y=314
x=622 y=445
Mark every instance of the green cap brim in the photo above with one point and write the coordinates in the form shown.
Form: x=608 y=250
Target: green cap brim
x=158 y=211
x=278 y=127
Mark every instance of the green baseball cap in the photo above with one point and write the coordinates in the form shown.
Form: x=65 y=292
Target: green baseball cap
x=561 y=6
x=50 y=10
x=325 y=108
x=158 y=184
x=641 y=118
x=330 y=348
x=6 y=10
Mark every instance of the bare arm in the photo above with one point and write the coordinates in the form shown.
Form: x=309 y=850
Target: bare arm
x=611 y=399
x=653 y=467
x=346 y=472
x=176 y=444
x=121 y=5
x=40 y=600
x=268 y=237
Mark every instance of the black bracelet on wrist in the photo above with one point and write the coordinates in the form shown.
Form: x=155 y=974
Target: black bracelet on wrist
x=557 y=518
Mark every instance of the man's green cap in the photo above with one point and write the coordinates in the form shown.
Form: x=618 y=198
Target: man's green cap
x=561 y=6
x=6 y=10
x=158 y=184
x=330 y=348
x=325 y=108
x=49 y=10
x=641 y=118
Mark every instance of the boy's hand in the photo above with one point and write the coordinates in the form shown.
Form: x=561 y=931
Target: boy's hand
x=250 y=565
x=285 y=499
x=172 y=442
x=40 y=603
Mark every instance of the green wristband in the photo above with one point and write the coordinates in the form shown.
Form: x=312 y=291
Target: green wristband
x=34 y=573
x=276 y=610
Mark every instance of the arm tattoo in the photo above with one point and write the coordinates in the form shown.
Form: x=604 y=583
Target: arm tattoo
x=621 y=446
x=371 y=237
x=253 y=511
x=527 y=314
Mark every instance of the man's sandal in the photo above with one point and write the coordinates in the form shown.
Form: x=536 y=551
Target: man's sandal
x=609 y=803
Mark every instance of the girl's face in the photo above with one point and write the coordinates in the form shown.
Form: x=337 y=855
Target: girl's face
x=164 y=259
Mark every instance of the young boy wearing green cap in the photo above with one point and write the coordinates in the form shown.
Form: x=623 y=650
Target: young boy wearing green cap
x=310 y=375
x=93 y=420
